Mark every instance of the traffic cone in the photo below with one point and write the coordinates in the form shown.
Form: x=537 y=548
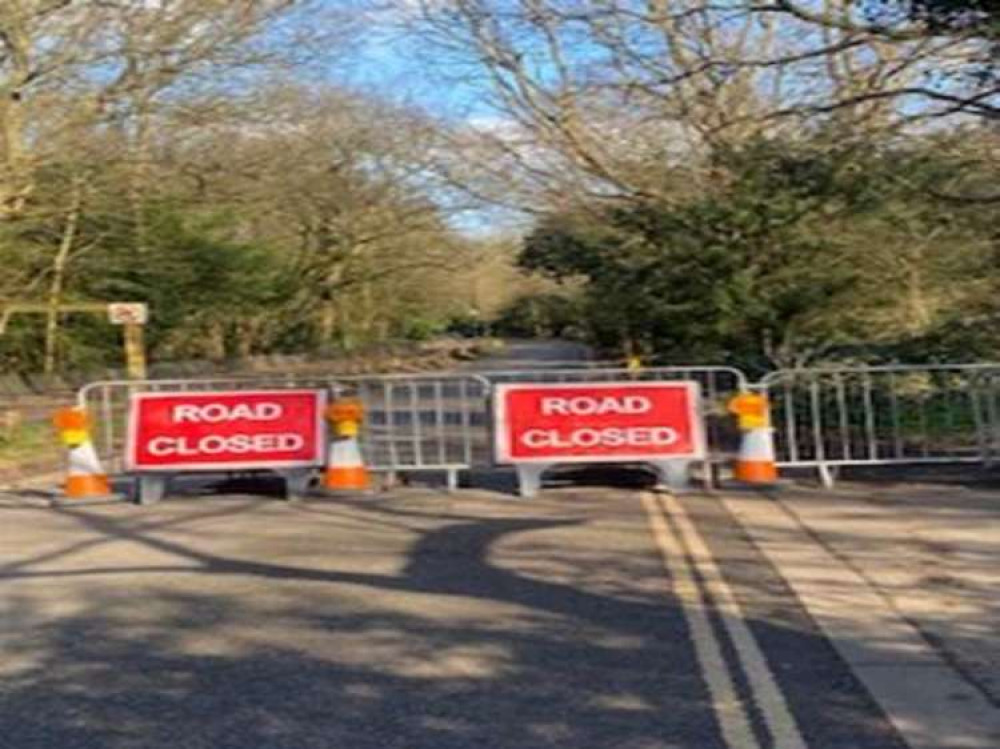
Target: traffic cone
x=755 y=463
x=345 y=467
x=85 y=478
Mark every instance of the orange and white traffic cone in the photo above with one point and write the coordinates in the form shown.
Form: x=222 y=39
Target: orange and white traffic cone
x=755 y=463
x=345 y=467
x=85 y=478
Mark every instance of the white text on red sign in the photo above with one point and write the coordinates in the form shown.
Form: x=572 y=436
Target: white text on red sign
x=226 y=429
x=596 y=421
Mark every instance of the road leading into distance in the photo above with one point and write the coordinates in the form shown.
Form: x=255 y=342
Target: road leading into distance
x=532 y=354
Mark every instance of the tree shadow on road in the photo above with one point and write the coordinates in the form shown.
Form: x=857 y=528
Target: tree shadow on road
x=192 y=648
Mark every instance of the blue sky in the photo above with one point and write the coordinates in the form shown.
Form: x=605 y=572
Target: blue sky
x=393 y=63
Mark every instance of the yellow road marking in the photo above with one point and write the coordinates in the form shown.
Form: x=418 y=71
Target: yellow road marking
x=733 y=720
x=766 y=693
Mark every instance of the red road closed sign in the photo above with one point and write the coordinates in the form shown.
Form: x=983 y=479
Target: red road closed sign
x=597 y=422
x=240 y=429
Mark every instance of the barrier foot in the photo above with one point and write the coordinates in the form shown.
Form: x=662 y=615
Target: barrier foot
x=827 y=475
x=529 y=479
x=675 y=475
x=296 y=483
x=711 y=476
x=152 y=488
x=390 y=480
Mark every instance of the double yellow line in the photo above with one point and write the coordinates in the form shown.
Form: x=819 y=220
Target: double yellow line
x=699 y=587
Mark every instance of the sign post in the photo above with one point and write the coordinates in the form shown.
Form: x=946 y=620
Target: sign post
x=132 y=316
x=278 y=430
x=542 y=425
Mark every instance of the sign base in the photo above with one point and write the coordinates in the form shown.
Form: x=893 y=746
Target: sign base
x=151 y=488
x=529 y=478
x=296 y=483
x=674 y=475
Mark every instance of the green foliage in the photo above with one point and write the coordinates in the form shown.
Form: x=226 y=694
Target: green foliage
x=193 y=278
x=26 y=442
x=540 y=315
x=778 y=262
x=422 y=329
x=217 y=284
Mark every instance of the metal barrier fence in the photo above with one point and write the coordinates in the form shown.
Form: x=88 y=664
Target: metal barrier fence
x=437 y=422
x=413 y=422
x=718 y=385
x=986 y=394
x=825 y=418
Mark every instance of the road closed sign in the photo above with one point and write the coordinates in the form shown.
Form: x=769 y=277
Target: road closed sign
x=597 y=422
x=226 y=430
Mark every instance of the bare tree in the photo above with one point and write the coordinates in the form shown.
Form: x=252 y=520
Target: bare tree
x=90 y=89
x=43 y=44
x=625 y=98
x=343 y=186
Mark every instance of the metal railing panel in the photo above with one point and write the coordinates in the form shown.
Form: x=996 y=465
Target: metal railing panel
x=986 y=395
x=881 y=415
x=413 y=422
x=822 y=417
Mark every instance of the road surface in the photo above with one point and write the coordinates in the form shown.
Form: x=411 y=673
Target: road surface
x=589 y=617
x=532 y=354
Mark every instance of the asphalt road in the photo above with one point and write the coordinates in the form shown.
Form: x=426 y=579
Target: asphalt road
x=531 y=354
x=407 y=620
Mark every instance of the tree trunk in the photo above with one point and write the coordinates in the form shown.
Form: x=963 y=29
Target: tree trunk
x=57 y=282
x=16 y=181
x=138 y=179
x=369 y=312
x=332 y=319
x=343 y=305
x=245 y=334
x=919 y=315
x=216 y=341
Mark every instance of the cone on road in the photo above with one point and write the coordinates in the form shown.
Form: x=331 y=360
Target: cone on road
x=85 y=478
x=345 y=467
x=755 y=463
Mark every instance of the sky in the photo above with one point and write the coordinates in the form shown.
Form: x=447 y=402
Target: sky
x=392 y=62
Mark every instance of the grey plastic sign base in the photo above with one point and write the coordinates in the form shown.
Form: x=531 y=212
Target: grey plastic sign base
x=152 y=487
x=674 y=474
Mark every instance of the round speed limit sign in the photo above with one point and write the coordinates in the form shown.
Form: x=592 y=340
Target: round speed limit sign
x=128 y=313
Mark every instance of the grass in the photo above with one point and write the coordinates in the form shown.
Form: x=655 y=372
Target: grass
x=27 y=444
